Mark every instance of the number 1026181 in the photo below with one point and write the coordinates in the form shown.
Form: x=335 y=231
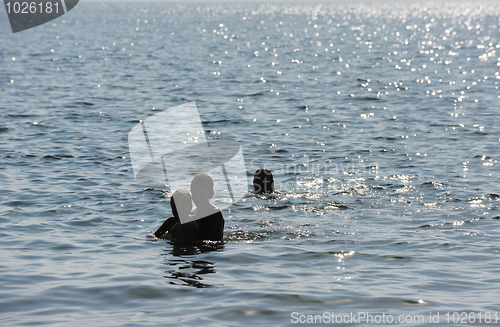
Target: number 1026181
x=33 y=7
x=472 y=317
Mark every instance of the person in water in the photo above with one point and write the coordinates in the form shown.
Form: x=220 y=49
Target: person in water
x=209 y=223
x=263 y=182
x=208 y=217
x=181 y=205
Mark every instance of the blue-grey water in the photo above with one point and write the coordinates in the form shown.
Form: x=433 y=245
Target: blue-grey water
x=379 y=120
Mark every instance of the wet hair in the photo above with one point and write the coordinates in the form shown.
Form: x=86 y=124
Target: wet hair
x=181 y=203
x=263 y=181
x=202 y=187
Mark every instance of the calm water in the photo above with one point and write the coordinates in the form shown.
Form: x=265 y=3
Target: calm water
x=379 y=121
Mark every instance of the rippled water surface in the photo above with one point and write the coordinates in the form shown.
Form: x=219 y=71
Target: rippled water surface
x=380 y=122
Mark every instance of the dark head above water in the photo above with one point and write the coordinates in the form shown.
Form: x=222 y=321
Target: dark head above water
x=202 y=189
x=263 y=181
x=180 y=203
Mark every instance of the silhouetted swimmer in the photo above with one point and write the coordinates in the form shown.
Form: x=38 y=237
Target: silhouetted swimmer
x=209 y=218
x=181 y=205
x=263 y=182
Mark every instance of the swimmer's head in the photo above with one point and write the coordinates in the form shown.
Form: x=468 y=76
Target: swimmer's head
x=202 y=189
x=181 y=204
x=263 y=181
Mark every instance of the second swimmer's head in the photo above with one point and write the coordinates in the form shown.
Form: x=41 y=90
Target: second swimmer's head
x=263 y=181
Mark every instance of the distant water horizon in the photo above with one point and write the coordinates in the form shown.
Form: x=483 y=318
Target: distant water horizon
x=379 y=121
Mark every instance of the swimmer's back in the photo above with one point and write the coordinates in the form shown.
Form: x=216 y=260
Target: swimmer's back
x=211 y=225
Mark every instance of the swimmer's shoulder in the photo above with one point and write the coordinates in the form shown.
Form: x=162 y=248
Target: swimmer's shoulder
x=273 y=194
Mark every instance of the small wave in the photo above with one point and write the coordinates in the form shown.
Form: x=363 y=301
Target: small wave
x=57 y=156
x=256 y=94
x=84 y=103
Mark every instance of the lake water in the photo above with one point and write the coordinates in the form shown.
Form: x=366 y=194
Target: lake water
x=380 y=122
